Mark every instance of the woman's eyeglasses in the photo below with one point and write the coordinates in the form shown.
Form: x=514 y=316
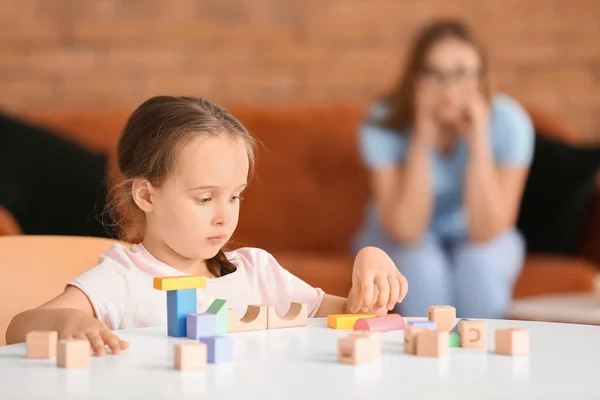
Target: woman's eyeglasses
x=458 y=76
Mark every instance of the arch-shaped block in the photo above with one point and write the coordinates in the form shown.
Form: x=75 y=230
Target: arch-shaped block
x=255 y=319
x=296 y=316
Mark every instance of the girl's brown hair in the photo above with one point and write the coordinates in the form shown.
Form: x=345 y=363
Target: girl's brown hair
x=151 y=140
x=401 y=99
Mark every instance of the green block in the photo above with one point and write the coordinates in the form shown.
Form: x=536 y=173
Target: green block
x=219 y=307
x=454 y=339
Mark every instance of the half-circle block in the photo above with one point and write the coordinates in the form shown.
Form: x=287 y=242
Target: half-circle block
x=296 y=316
x=384 y=323
x=255 y=319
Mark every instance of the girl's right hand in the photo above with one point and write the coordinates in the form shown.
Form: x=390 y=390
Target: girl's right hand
x=77 y=324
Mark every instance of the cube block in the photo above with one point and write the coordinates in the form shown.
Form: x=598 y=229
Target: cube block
x=190 y=356
x=512 y=341
x=199 y=325
x=443 y=316
x=219 y=348
x=374 y=337
x=473 y=334
x=356 y=350
x=73 y=353
x=433 y=344
x=411 y=337
x=41 y=344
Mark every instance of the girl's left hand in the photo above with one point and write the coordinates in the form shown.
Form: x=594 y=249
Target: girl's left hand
x=377 y=285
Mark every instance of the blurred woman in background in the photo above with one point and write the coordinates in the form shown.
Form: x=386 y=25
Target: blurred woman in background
x=448 y=162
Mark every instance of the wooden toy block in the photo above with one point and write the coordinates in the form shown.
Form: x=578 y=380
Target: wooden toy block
x=180 y=303
x=443 y=316
x=425 y=324
x=433 y=344
x=473 y=334
x=41 y=344
x=374 y=337
x=297 y=315
x=356 y=350
x=220 y=309
x=345 y=321
x=384 y=323
x=454 y=339
x=73 y=353
x=255 y=319
x=190 y=356
x=199 y=325
x=512 y=341
x=169 y=283
x=219 y=348
x=411 y=338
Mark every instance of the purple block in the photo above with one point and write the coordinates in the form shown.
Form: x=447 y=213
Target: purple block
x=200 y=325
x=219 y=348
x=424 y=324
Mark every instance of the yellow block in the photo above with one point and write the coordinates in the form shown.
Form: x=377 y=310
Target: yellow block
x=345 y=321
x=179 y=282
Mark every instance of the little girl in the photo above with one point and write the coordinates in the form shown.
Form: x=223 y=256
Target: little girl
x=185 y=163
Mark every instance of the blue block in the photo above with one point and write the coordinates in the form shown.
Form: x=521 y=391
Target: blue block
x=180 y=303
x=200 y=325
x=455 y=329
x=424 y=324
x=219 y=348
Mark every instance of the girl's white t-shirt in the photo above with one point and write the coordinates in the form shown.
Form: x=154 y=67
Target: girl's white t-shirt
x=120 y=287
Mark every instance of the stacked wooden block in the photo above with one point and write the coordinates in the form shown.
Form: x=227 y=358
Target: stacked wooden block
x=209 y=328
x=69 y=353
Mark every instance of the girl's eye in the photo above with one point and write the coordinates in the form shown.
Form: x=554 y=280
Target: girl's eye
x=235 y=198
x=204 y=200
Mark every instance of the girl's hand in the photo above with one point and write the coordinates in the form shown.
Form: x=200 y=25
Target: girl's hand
x=78 y=325
x=376 y=282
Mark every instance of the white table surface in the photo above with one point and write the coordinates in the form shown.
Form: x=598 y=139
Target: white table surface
x=301 y=363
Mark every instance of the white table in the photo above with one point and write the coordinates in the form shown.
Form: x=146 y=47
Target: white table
x=301 y=363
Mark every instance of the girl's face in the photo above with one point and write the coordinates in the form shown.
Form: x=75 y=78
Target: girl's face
x=196 y=210
x=451 y=73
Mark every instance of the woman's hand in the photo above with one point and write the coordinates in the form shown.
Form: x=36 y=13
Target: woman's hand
x=75 y=324
x=474 y=123
x=377 y=285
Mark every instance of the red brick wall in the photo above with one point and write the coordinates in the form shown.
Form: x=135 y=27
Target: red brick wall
x=111 y=53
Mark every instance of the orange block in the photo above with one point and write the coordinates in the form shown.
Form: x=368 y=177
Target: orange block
x=443 y=316
x=374 y=337
x=191 y=356
x=41 y=344
x=473 y=334
x=433 y=344
x=410 y=338
x=73 y=353
x=512 y=341
x=356 y=350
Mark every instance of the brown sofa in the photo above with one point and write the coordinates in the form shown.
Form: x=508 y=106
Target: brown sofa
x=307 y=198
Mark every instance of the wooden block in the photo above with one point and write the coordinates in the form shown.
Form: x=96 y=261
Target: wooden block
x=384 y=323
x=41 y=344
x=473 y=334
x=219 y=308
x=219 y=348
x=345 y=321
x=512 y=341
x=424 y=324
x=179 y=282
x=200 y=325
x=374 y=337
x=433 y=344
x=73 y=353
x=255 y=319
x=297 y=315
x=454 y=339
x=443 y=316
x=411 y=337
x=356 y=350
x=180 y=303
x=190 y=356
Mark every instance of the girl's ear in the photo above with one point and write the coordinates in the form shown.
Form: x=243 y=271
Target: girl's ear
x=143 y=192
